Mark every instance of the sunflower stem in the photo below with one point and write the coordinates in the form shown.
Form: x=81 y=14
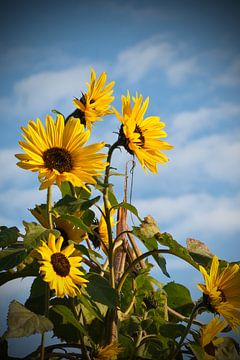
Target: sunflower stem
x=107 y=212
x=49 y=211
x=111 y=325
x=49 y=206
x=186 y=331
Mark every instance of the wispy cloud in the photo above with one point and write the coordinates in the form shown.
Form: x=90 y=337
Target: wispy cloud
x=43 y=91
x=154 y=55
x=197 y=122
x=194 y=215
x=231 y=74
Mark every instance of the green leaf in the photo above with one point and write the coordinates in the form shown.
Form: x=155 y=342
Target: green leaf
x=166 y=239
x=128 y=207
x=8 y=236
x=90 y=306
x=100 y=290
x=30 y=270
x=151 y=244
x=197 y=350
x=23 y=322
x=77 y=222
x=36 y=300
x=87 y=204
x=11 y=258
x=68 y=317
x=179 y=298
x=112 y=198
x=35 y=233
x=88 y=216
x=91 y=254
x=172 y=331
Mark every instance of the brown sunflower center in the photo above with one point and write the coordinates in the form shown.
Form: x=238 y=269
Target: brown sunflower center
x=60 y=264
x=124 y=141
x=141 y=137
x=58 y=158
x=222 y=296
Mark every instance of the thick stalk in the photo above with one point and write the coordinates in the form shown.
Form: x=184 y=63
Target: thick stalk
x=49 y=210
x=107 y=213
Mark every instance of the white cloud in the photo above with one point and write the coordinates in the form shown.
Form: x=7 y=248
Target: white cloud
x=152 y=55
x=195 y=215
x=231 y=75
x=46 y=90
x=189 y=123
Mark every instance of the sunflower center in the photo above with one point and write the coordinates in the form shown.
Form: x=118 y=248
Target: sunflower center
x=60 y=264
x=59 y=159
x=141 y=137
x=222 y=296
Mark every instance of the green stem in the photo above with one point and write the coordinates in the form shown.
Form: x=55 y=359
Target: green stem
x=107 y=212
x=49 y=207
x=135 y=262
x=186 y=331
x=49 y=210
x=73 y=190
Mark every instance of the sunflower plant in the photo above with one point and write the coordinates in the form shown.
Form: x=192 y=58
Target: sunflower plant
x=93 y=287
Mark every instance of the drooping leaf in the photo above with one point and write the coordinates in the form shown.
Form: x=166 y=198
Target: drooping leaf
x=68 y=317
x=128 y=207
x=100 y=290
x=23 y=322
x=35 y=233
x=166 y=239
x=179 y=298
x=29 y=270
x=151 y=244
x=90 y=306
x=11 y=258
x=77 y=222
x=197 y=350
x=8 y=235
x=112 y=198
x=172 y=330
x=36 y=299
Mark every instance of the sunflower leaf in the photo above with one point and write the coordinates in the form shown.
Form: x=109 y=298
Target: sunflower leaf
x=179 y=298
x=35 y=233
x=78 y=222
x=68 y=317
x=11 y=258
x=166 y=239
x=197 y=350
x=151 y=244
x=8 y=236
x=23 y=322
x=128 y=207
x=100 y=290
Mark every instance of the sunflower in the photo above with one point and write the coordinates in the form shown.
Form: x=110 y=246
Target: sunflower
x=140 y=136
x=109 y=352
x=222 y=291
x=68 y=230
x=96 y=102
x=208 y=340
x=57 y=153
x=102 y=228
x=59 y=268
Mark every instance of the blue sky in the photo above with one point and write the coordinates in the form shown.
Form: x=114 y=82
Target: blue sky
x=184 y=55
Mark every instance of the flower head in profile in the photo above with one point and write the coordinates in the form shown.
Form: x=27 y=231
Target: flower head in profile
x=60 y=268
x=58 y=154
x=109 y=352
x=222 y=291
x=96 y=102
x=208 y=337
x=103 y=230
x=140 y=136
